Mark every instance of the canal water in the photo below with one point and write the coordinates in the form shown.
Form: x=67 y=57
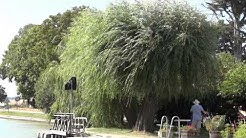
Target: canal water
x=21 y=129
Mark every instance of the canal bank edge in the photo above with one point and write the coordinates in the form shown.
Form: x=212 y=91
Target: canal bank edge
x=25 y=118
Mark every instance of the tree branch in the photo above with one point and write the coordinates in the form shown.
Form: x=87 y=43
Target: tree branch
x=228 y=13
x=243 y=18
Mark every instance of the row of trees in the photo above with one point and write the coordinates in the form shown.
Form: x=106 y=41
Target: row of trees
x=130 y=60
x=35 y=46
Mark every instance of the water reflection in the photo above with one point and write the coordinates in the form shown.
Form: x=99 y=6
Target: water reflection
x=21 y=129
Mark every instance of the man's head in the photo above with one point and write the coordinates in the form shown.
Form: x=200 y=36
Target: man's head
x=196 y=101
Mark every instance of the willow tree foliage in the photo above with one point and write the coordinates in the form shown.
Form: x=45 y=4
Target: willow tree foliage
x=92 y=97
x=44 y=87
x=130 y=57
x=156 y=51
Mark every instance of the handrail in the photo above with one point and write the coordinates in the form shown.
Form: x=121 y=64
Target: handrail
x=162 y=122
x=80 y=124
x=66 y=124
x=168 y=136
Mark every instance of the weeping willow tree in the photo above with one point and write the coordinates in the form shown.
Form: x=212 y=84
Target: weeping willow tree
x=46 y=87
x=130 y=57
x=95 y=96
x=154 y=52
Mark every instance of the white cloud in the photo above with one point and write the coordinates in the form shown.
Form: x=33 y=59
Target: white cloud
x=10 y=88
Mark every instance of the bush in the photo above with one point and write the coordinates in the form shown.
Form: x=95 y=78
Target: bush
x=241 y=132
x=216 y=123
x=226 y=131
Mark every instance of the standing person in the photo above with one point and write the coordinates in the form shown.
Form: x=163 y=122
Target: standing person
x=197 y=110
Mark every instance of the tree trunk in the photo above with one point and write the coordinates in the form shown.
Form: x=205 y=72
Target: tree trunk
x=237 y=42
x=31 y=102
x=145 y=118
x=131 y=116
x=28 y=102
x=130 y=112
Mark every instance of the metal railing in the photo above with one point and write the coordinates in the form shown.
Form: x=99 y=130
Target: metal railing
x=163 y=126
x=65 y=124
x=171 y=126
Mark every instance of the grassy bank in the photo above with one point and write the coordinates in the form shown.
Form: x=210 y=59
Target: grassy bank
x=23 y=114
x=130 y=133
x=118 y=131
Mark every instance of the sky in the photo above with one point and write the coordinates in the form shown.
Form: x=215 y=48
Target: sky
x=15 y=14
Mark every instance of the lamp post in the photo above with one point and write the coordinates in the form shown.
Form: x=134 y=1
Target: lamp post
x=71 y=99
x=71 y=85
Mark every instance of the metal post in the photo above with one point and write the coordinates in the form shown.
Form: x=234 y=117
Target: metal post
x=71 y=102
x=71 y=108
x=71 y=98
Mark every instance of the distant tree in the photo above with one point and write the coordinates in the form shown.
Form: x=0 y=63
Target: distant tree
x=34 y=48
x=3 y=94
x=225 y=42
x=235 y=13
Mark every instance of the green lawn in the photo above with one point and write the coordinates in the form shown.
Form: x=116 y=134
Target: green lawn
x=118 y=131
x=129 y=132
x=23 y=114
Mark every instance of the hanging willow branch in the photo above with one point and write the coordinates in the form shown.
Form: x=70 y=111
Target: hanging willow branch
x=134 y=52
x=157 y=49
